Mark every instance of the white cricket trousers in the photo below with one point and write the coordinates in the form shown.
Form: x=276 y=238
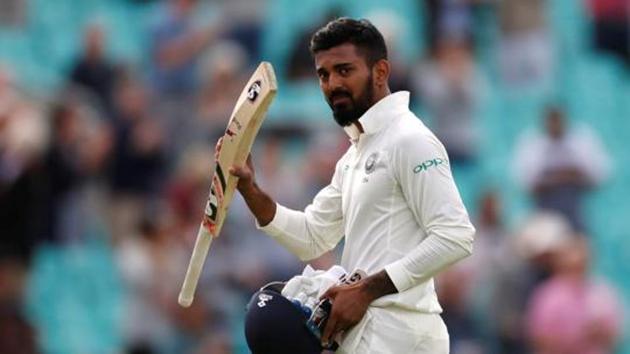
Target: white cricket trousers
x=396 y=331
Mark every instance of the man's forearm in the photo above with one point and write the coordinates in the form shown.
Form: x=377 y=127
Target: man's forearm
x=260 y=204
x=431 y=256
x=378 y=285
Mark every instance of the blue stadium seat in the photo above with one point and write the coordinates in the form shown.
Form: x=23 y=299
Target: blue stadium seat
x=302 y=101
x=570 y=27
x=74 y=297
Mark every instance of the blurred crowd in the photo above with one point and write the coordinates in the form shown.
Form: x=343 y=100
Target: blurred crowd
x=103 y=181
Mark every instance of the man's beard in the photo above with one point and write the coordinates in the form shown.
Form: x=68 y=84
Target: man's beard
x=353 y=109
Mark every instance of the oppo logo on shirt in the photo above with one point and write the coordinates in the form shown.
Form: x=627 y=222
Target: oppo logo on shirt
x=428 y=164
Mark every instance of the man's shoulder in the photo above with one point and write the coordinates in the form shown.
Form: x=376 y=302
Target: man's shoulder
x=410 y=131
x=409 y=124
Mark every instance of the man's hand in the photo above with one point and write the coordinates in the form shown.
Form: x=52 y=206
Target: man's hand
x=246 y=175
x=350 y=302
x=260 y=204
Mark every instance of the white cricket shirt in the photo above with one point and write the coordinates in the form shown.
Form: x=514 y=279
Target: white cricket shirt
x=393 y=197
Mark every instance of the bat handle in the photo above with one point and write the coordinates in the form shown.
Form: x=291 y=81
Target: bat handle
x=200 y=251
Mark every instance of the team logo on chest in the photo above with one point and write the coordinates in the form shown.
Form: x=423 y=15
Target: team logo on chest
x=370 y=163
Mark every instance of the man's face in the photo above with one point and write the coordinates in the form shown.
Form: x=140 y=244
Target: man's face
x=346 y=81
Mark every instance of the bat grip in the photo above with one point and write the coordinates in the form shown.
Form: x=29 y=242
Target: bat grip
x=200 y=251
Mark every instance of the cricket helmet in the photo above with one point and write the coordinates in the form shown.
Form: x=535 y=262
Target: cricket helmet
x=275 y=325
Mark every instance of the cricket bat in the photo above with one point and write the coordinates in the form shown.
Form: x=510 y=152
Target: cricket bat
x=247 y=116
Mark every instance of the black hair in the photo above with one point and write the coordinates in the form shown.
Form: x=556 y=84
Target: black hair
x=361 y=33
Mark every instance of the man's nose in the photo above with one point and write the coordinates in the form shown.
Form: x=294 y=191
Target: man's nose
x=335 y=82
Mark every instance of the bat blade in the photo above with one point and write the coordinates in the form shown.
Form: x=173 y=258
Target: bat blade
x=245 y=121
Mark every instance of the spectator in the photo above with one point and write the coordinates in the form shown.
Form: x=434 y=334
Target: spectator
x=13 y=13
x=175 y=48
x=17 y=335
x=187 y=190
x=23 y=141
x=571 y=312
x=151 y=261
x=176 y=45
x=449 y=17
x=470 y=285
x=611 y=31
x=78 y=151
x=453 y=289
x=525 y=49
x=561 y=165
x=224 y=72
x=93 y=71
x=525 y=263
x=138 y=161
x=450 y=87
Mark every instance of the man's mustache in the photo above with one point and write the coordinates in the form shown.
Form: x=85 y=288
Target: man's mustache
x=339 y=94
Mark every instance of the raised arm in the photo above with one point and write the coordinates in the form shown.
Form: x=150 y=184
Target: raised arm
x=259 y=202
x=308 y=234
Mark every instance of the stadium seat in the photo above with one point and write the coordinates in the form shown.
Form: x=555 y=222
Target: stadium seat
x=84 y=316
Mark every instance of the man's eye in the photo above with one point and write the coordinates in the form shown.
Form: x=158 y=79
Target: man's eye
x=344 y=71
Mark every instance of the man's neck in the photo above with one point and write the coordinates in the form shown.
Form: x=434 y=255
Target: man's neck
x=382 y=93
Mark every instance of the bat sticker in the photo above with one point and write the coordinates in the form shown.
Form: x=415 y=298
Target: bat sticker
x=215 y=199
x=254 y=90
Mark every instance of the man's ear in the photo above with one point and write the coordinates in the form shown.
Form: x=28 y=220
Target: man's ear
x=380 y=72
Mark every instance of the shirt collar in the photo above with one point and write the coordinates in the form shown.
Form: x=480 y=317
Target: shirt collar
x=380 y=114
